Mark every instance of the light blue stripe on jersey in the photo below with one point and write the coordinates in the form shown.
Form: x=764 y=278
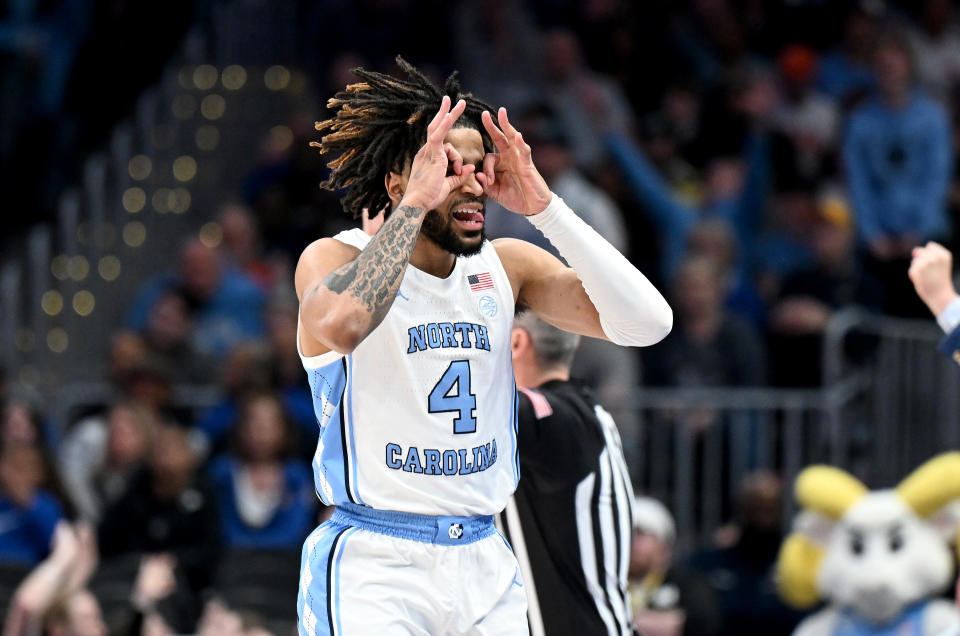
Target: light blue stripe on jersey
x=318 y=603
x=331 y=478
x=514 y=432
x=351 y=449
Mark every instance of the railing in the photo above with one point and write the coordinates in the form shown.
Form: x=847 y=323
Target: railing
x=691 y=448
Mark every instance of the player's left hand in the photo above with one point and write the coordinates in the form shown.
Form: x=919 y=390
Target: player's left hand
x=509 y=176
x=930 y=271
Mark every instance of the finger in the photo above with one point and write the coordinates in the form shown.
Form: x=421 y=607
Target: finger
x=454 y=157
x=444 y=109
x=447 y=122
x=505 y=124
x=499 y=139
x=454 y=181
x=522 y=145
x=490 y=161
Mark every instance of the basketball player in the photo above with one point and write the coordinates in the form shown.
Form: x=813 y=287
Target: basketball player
x=405 y=337
x=570 y=521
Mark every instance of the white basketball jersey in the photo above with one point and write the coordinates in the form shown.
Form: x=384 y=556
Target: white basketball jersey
x=421 y=417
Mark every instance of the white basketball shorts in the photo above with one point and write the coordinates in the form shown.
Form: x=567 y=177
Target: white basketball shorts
x=369 y=572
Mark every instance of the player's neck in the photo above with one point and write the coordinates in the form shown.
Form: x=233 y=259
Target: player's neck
x=429 y=257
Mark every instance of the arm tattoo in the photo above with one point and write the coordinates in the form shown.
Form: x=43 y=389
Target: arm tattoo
x=373 y=278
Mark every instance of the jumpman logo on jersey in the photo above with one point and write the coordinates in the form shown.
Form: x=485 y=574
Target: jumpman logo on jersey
x=400 y=295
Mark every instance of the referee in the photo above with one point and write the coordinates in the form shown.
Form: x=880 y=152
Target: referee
x=570 y=520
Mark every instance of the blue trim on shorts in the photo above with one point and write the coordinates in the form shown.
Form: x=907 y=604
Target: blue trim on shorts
x=440 y=530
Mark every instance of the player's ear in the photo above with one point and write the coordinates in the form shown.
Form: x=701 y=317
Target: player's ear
x=396 y=185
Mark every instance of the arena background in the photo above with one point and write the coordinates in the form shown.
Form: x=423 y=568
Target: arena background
x=158 y=188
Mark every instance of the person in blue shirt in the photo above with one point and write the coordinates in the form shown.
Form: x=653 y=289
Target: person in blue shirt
x=28 y=515
x=227 y=306
x=266 y=498
x=897 y=154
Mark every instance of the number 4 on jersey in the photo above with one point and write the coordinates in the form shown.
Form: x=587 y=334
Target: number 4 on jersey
x=452 y=393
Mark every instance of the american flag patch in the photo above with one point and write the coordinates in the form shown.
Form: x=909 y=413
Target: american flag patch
x=479 y=282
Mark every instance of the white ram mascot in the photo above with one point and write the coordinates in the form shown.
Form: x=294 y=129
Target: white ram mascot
x=879 y=559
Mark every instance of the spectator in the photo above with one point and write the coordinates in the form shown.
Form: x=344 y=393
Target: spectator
x=936 y=48
x=241 y=243
x=496 y=46
x=844 y=71
x=167 y=510
x=731 y=194
x=169 y=338
x=898 y=159
x=708 y=345
x=810 y=297
x=274 y=365
x=667 y=600
x=53 y=598
x=227 y=306
x=806 y=120
x=266 y=497
x=587 y=104
x=286 y=369
x=740 y=570
x=100 y=455
x=28 y=514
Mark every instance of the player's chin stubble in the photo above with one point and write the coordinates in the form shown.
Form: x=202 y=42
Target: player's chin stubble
x=439 y=229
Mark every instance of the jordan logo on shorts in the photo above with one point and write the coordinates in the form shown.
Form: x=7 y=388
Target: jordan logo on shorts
x=455 y=531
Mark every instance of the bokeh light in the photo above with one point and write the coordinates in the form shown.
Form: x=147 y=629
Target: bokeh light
x=184 y=168
x=134 y=199
x=78 y=267
x=234 y=77
x=57 y=340
x=211 y=234
x=134 y=233
x=83 y=302
x=58 y=266
x=51 y=302
x=276 y=78
x=139 y=167
x=180 y=200
x=109 y=267
x=205 y=77
x=213 y=106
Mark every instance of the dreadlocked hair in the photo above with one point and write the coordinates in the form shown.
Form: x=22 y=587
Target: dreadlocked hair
x=379 y=124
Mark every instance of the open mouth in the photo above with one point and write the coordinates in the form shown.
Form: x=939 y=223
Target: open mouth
x=469 y=217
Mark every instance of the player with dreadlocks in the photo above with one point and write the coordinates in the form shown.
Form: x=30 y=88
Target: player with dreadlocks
x=405 y=337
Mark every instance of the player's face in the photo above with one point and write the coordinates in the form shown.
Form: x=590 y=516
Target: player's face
x=458 y=224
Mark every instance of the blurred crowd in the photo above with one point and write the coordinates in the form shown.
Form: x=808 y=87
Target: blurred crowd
x=766 y=163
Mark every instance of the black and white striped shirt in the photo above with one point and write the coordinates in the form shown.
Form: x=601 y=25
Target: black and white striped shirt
x=570 y=520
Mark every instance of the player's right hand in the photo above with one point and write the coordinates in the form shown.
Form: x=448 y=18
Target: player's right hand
x=429 y=183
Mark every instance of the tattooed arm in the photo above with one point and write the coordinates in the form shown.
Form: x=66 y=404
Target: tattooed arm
x=342 y=307
x=345 y=293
